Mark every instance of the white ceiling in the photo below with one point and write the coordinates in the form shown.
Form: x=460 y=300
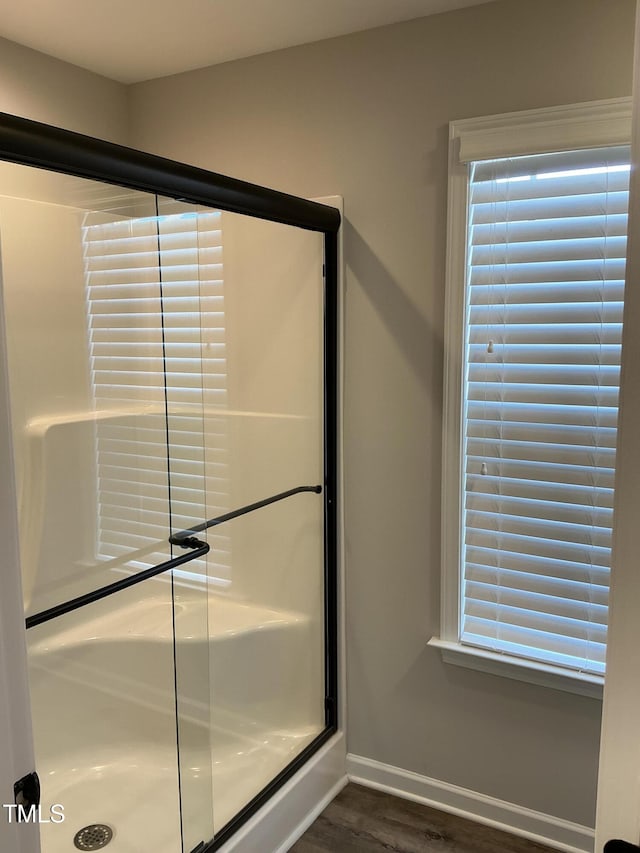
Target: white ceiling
x=133 y=40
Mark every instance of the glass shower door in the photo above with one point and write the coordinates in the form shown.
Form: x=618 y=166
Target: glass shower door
x=243 y=322
x=95 y=423
x=266 y=601
x=168 y=379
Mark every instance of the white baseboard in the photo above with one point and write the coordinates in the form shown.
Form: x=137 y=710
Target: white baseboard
x=292 y=810
x=537 y=826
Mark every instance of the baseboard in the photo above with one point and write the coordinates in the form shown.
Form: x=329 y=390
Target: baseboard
x=537 y=826
x=292 y=810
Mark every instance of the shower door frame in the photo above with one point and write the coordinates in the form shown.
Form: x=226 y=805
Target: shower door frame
x=30 y=143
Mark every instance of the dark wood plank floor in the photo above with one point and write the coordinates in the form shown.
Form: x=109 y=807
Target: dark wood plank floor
x=361 y=820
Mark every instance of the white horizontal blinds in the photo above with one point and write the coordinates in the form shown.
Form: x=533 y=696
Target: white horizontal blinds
x=546 y=257
x=153 y=282
x=125 y=339
x=191 y=256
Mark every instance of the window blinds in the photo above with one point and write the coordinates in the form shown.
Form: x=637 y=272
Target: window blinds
x=545 y=277
x=145 y=340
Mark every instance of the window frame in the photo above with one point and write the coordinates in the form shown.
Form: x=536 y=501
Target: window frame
x=564 y=128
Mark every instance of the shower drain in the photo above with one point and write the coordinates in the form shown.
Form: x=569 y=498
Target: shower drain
x=93 y=837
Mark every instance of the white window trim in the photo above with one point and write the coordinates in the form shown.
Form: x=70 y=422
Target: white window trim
x=564 y=128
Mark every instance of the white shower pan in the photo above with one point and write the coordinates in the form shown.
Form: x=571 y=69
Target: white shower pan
x=102 y=684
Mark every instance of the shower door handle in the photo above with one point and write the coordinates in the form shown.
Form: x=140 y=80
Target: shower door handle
x=197 y=547
x=185 y=536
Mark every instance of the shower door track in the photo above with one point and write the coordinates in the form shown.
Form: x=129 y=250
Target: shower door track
x=39 y=145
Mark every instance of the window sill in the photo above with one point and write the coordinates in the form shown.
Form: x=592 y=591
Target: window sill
x=520 y=670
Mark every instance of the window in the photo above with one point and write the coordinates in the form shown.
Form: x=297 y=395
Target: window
x=537 y=241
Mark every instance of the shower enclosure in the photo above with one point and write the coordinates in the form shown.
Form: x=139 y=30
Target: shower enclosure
x=172 y=342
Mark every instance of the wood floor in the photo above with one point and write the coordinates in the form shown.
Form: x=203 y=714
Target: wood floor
x=361 y=820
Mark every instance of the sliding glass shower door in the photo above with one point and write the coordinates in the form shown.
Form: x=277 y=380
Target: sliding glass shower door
x=243 y=347
x=267 y=595
x=83 y=306
x=168 y=380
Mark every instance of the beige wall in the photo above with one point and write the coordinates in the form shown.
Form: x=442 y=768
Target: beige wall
x=40 y=87
x=365 y=116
